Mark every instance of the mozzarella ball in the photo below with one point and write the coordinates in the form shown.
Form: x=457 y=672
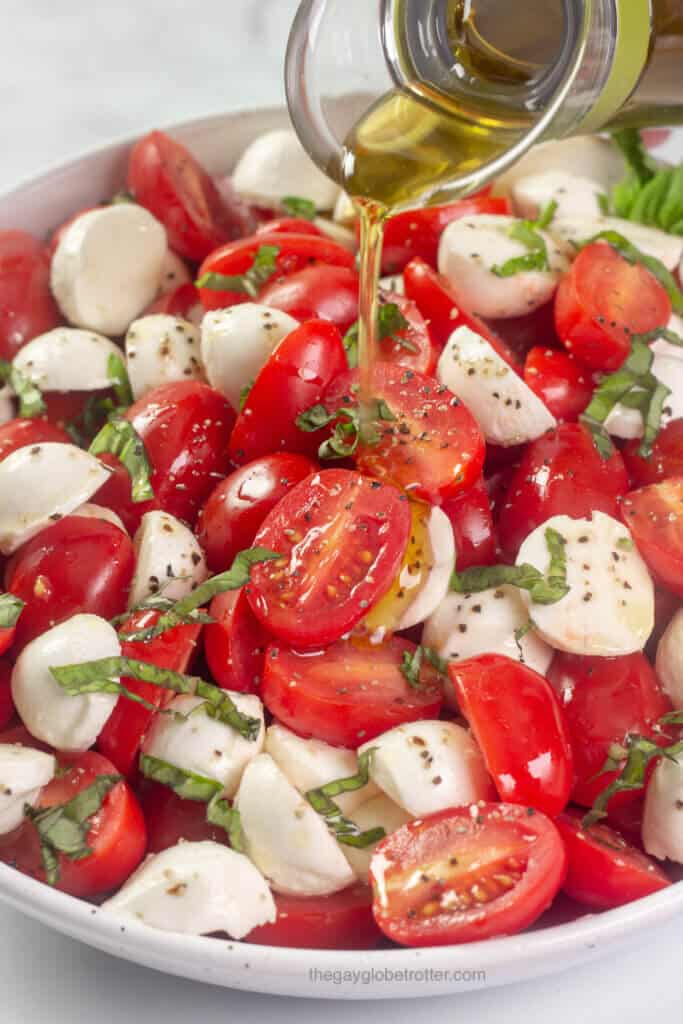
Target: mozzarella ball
x=662 y=828
x=68 y=359
x=161 y=349
x=380 y=812
x=276 y=166
x=23 y=773
x=168 y=559
x=669 y=663
x=575 y=196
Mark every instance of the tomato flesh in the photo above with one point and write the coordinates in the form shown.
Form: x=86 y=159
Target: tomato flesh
x=343 y=920
x=654 y=515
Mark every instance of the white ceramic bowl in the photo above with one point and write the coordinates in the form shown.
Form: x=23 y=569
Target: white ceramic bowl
x=38 y=207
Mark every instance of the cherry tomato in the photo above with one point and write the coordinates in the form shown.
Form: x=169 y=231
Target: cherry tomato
x=166 y=179
x=432 y=448
x=117 y=835
x=665 y=460
x=604 y=699
x=412 y=347
x=238 y=505
x=294 y=253
x=124 y=730
x=289 y=226
x=604 y=871
x=561 y=473
x=316 y=293
x=185 y=427
x=341 y=921
x=348 y=693
x=602 y=301
x=25 y=433
x=293 y=379
x=27 y=308
x=654 y=515
x=65 y=407
x=7 y=634
x=418 y=232
x=6 y=702
x=471 y=517
x=517 y=721
x=564 y=385
x=341 y=538
x=171 y=820
x=235 y=643
x=183 y=301
x=465 y=874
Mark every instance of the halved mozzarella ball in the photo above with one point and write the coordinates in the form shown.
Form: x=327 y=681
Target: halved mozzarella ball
x=168 y=559
x=236 y=342
x=107 y=267
x=6 y=405
x=575 y=195
x=286 y=839
x=91 y=511
x=174 y=272
x=275 y=166
x=23 y=773
x=651 y=241
x=662 y=829
x=42 y=483
x=435 y=587
x=427 y=766
x=380 y=812
x=589 y=156
x=669 y=663
x=337 y=232
x=197 y=743
x=394 y=284
x=504 y=406
x=196 y=889
x=68 y=359
x=627 y=423
x=50 y=714
x=308 y=764
x=161 y=349
x=344 y=211
x=469 y=250
x=609 y=609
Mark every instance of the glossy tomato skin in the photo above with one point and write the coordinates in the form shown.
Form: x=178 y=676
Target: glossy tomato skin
x=294 y=378
x=602 y=301
x=517 y=721
x=603 y=700
x=665 y=460
x=238 y=505
x=183 y=301
x=289 y=226
x=27 y=308
x=166 y=179
x=124 y=730
x=341 y=538
x=6 y=702
x=412 y=347
x=316 y=293
x=343 y=920
x=654 y=515
x=348 y=693
x=117 y=835
x=171 y=820
x=76 y=565
x=460 y=896
x=563 y=384
x=24 y=433
x=7 y=634
x=471 y=518
x=561 y=473
x=235 y=643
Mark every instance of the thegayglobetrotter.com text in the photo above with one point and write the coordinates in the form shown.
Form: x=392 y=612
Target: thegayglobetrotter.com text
x=387 y=976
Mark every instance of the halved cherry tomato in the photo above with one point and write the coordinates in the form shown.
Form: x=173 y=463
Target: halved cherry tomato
x=7 y=634
x=602 y=301
x=76 y=565
x=418 y=232
x=124 y=730
x=348 y=693
x=235 y=643
x=185 y=427
x=294 y=253
x=465 y=874
x=560 y=381
x=238 y=505
x=471 y=517
x=561 y=473
x=166 y=179
x=341 y=538
x=604 y=871
x=6 y=702
x=27 y=308
x=654 y=515
x=117 y=835
x=341 y=921
x=171 y=820
x=24 y=433
x=604 y=699
x=517 y=721
x=289 y=226
x=316 y=293
x=183 y=301
x=432 y=448
x=293 y=379
x=665 y=460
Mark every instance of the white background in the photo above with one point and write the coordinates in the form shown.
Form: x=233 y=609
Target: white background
x=73 y=74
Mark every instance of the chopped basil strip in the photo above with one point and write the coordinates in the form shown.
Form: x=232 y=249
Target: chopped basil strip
x=548 y=589
x=295 y=206
x=244 y=394
x=411 y=665
x=251 y=281
x=527 y=232
x=122 y=197
x=348 y=429
x=547 y=215
x=11 y=608
x=63 y=829
x=118 y=437
x=185 y=784
x=648 y=195
x=632 y=254
x=350 y=342
x=390 y=325
x=186 y=610
x=322 y=800
x=118 y=375
x=28 y=394
x=220 y=813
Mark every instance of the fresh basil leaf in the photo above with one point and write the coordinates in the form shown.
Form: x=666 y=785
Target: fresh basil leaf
x=631 y=760
x=547 y=215
x=390 y=325
x=321 y=800
x=295 y=206
x=648 y=195
x=251 y=281
x=120 y=382
x=526 y=232
x=11 y=608
x=122 y=197
x=411 y=665
x=315 y=418
x=28 y=394
x=244 y=394
x=187 y=785
x=220 y=813
x=350 y=342
x=631 y=145
x=119 y=438
x=548 y=589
